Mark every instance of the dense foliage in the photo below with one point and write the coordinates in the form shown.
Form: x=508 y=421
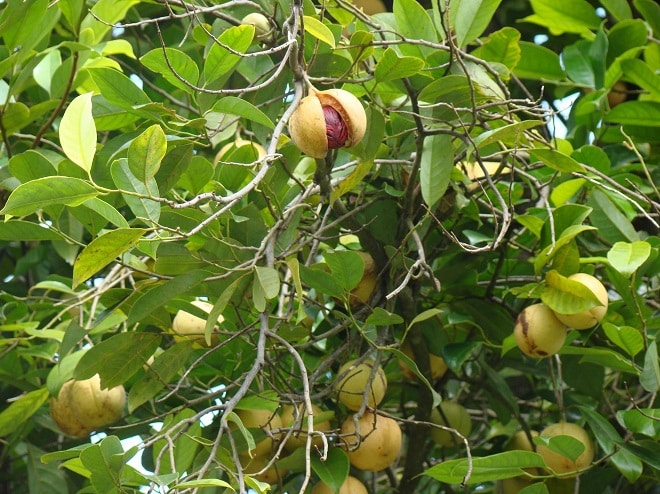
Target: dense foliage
x=146 y=163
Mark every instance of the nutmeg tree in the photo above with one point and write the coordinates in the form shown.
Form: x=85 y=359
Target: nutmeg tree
x=340 y=246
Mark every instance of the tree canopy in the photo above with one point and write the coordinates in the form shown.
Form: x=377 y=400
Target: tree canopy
x=252 y=246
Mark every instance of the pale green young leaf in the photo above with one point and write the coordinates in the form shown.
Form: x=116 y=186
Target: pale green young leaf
x=21 y=410
x=37 y=194
x=146 y=152
x=627 y=257
x=437 y=164
x=319 y=30
x=78 y=132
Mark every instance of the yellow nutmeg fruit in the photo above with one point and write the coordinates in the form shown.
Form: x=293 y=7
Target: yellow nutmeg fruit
x=188 y=326
x=352 y=381
x=350 y=486
x=63 y=415
x=588 y=318
x=375 y=444
x=261 y=25
x=538 y=332
x=327 y=120
x=559 y=464
x=93 y=406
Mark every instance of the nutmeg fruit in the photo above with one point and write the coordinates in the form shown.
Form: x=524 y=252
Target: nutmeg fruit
x=326 y=120
x=538 y=332
x=261 y=25
x=94 y=406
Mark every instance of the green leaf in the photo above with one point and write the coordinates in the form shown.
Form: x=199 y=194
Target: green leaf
x=201 y=483
x=146 y=152
x=630 y=466
x=627 y=257
x=37 y=194
x=319 y=30
x=78 y=132
x=184 y=448
x=347 y=268
x=104 y=461
x=334 y=470
x=269 y=280
x=21 y=410
x=567 y=296
x=27 y=231
x=106 y=211
x=650 y=10
x=495 y=467
x=170 y=63
x=220 y=61
x=557 y=160
x=14 y=117
x=650 y=377
x=414 y=22
x=602 y=356
x=501 y=47
x=103 y=250
x=471 y=18
x=392 y=66
x=509 y=134
x=642 y=113
x=641 y=421
x=155 y=297
x=381 y=317
x=549 y=252
x=639 y=73
x=43 y=478
x=538 y=62
x=605 y=433
x=164 y=368
x=620 y=9
x=436 y=167
x=565 y=16
x=117 y=88
x=136 y=193
x=627 y=338
x=231 y=105
x=353 y=179
x=116 y=359
x=456 y=354
x=564 y=445
x=105 y=14
x=612 y=224
x=578 y=65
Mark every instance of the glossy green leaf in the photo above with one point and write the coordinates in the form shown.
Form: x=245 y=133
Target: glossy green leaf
x=154 y=298
x=414 y=22
x=627 y=257
x=578 y=65
x=605 y=433
x=43 y=478
x=14 y=117
x=117 y=88
x=436 y=167
x=104 y=14
x=319 y=30
x=347 y=268
x=32 y=196
x=146 y=152
x=565 y=16
x=174 y=65
x=201 y=483
x=644 y=421
x=470 y=18
x=641 y=74
x=564 y=445
x=21 y=410
x=164 y=368
x=538 y=62
x=381 y=317
x=26 y=231
x=104 y=461
x=495 y=467
x=557 y=160
x=502 y=47
x=629 y=339
x=650 y=10
x=620 y=9
x=567 y=296
x=231 y=105
x=319 y=278
x=108 y=212
x=510 y=135
x=137 y=194
x=612 y=224
x=392 y=66
x=602 y=356
x=334 y=470
x=103 y=250
x=78 y=132
x=650 y=377
x=456 y=354
x=648 y=451
x=630 y=466
x=220 y=61
x=549 y=252
x=118 y=358
x=646 y=113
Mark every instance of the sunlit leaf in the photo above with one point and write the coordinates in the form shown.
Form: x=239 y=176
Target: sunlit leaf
x=21 y=410
x=49 y=191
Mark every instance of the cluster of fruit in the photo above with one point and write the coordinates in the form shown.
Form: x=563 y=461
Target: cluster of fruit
x=541 y=332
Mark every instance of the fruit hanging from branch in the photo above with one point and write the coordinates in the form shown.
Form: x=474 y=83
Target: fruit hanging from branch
x=538 y=332
x=327 y=120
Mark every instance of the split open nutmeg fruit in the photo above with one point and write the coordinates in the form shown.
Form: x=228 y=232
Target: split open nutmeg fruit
x=326 y=120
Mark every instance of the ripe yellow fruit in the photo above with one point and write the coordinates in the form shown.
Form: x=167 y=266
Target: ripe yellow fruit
x=560 y=464
x=457 y=418
x=261 y=25
x=63 y=416
x=351 y=384
x=82 y=406
x=186 y=325
x=260 y=419
x=299 y=438
x=437 y=363
x=538 y=332
x=326 y=120
x=361 y=294
x=588 y=318
x=350 y=486
x=380 y=445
